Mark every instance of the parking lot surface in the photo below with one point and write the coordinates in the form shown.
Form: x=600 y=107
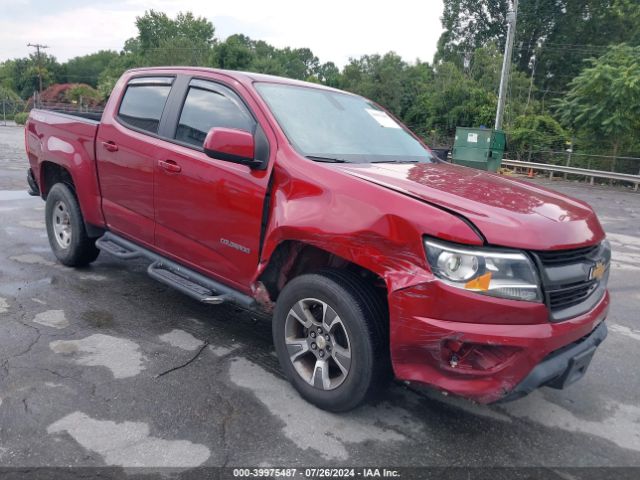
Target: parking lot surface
x=104 y=366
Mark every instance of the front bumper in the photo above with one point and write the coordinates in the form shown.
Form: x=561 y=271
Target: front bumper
x=522 y=355
x=562 y=368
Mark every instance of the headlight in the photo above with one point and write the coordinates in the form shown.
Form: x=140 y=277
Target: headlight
x=490 y=272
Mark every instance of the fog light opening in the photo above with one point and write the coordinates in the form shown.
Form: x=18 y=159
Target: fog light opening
x=475 y=357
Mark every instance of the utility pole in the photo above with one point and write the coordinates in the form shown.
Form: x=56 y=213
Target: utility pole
x=506 y=62
x=38 y=46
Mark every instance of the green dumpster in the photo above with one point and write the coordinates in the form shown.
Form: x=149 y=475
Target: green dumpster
x=480 y=148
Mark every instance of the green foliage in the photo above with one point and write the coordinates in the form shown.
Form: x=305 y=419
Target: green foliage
x=156 y=27
x=235 y=53
x=21 y=74
x=469 y=25
x=454 y=99
x=379 y=78
x=532 y=134
x=21 y=118
x=554 y=37
x=87 y=68
x=85 y=93
x=8 y=95
x=604 y=101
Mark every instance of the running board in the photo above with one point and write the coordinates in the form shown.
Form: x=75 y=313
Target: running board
x=107 y=243
x=187 y=281
x=181 y=280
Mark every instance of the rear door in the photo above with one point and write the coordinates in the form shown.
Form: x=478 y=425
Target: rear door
x=208 y=212
x=125 y=153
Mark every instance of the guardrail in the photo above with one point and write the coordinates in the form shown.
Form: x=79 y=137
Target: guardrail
x=624 y=177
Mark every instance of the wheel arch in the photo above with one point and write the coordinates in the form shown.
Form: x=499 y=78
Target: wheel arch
x=292 y=258
x=52 y=173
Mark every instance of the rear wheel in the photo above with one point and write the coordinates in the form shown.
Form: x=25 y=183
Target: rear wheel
x=329 y=334
x=65 y=228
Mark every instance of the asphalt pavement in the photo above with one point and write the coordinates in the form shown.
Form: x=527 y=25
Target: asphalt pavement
x=103 y=366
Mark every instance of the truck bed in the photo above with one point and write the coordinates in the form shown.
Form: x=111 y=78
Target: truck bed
x=68 y=141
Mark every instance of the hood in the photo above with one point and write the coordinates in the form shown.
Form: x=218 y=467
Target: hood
x=507 y=212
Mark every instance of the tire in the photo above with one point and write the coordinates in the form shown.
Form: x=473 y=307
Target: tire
x=361 y=317
x=65 y=228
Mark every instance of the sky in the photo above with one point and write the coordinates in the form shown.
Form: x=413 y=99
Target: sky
x=334 y=30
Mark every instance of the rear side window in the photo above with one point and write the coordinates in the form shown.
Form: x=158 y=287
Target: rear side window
x=143 y=103
x=210 y=105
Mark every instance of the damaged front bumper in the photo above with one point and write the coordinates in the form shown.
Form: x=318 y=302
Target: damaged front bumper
x=489 y=362
x=561 y=368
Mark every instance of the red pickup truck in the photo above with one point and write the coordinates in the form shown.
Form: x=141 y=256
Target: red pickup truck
x=374 y=257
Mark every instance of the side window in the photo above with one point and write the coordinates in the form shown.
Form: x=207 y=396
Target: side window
x=143 y=103
x=206 y=108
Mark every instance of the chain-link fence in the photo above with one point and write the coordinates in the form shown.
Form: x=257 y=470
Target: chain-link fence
x=9 y=108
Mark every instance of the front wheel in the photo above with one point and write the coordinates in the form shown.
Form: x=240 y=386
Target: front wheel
x=65 y=228
x=329 y=330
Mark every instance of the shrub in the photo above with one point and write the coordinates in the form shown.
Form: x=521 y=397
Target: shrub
x=533 y=134
x=21 y=118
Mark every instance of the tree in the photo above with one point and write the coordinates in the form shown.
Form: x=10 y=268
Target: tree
x=329 y=74
x=154 y=27
x=582 y=29
x=469 y=25
x=235 y=53
x=454 y=99
x=377 y=77
x=87 y=68
x=556 y=35
x=21 y=74
x=603 y=104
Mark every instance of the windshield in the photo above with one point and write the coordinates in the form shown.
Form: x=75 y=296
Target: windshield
x=339 y=127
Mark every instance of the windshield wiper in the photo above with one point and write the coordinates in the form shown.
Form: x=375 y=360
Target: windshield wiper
x=325 y=159
x=396 y=161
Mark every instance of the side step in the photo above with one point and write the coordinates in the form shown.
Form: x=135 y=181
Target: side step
x=189 y=282
x=180 y=280
x=108 y=243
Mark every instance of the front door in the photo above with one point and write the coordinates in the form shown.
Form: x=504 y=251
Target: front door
x=208 y=212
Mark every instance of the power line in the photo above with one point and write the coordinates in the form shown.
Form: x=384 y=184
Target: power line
x=38 y=46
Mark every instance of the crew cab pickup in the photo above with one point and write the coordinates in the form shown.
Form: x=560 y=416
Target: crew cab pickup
x=372 y=257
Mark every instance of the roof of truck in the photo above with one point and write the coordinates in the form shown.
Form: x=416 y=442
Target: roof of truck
x=241 y=76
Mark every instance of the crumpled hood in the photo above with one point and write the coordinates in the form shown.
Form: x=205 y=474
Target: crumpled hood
x=507 y=212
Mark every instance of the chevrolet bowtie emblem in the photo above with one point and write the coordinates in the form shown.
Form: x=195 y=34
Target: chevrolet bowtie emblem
x=597 y=271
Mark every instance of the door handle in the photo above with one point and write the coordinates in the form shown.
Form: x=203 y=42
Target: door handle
x=110 y=146
x=170 y=166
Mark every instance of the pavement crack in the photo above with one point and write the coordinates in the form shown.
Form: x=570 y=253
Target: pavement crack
x=22 y=321
x=188 y=362
x=225 y=429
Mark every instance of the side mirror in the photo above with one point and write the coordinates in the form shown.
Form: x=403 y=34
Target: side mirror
x=231 y=145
